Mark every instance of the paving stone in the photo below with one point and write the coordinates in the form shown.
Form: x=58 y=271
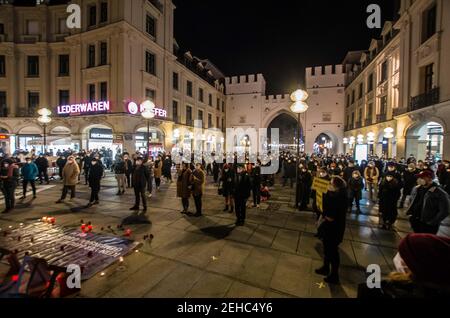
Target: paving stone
x=292 y=275
x=259 y=267
x=240 y=290
x=263 y=236
x=230 y=259
x=286 y=241
x=210 y=286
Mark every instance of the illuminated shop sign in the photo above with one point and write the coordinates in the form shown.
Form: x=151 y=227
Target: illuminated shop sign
x=85 y=108
x=4 y=137
x=99 y=133
x=134 y=109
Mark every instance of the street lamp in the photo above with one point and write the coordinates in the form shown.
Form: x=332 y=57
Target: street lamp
x=388 y=134
x=299 y=97
x=148 y=113
x=45 y=119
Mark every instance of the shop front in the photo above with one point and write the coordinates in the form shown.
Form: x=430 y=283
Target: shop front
x=155 y=138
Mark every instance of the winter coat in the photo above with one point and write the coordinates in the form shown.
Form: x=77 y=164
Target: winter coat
x=119 y=167
x=242 y=186
x=409 y=181
x=167 y=167
x=335 y=206
x=436 y=205
x=158 y=168
x=255 y=177
x=30 y=171
x=60 y=162
x=184 y=184
x=389 y=193
x=355 y=186
x=140 y=177
x=128 y=166
x=42 y=163
x=70 y=174
x=348 y=172
x=95 y=176
x=371 y=175
x=198 y=182
x=227 y=182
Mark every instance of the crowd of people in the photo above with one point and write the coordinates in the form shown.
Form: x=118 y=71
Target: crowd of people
x=423 y=185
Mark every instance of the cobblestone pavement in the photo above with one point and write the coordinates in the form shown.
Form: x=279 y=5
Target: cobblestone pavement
x=273 y=255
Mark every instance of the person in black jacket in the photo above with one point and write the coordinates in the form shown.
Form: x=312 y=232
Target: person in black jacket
x=86 y=166
x=355 y=185
x=409 y=182
x=348 y=171
x=444 y=176
x=215 y=171
x=95 y=176
x=389 y=193
x=9 y=175
x=242 y=187
x=305 y=183
x=119 y=172
x=61 y=163
x=332 y=228
x=128 y=168
x=256 y=184
x=42 y=164
x=140 y=177
x=227 y=186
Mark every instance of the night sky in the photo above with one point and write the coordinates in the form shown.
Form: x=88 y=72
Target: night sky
x=276 y=38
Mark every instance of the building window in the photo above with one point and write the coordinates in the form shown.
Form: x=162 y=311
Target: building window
x=189 y=88
x=223 y=106
x=103 y=91
x=201 y=94
x=103 y=12
x=428 y=23
x=189 y=115
x=2 y=66
x=210 y=100
x=175 y=81
x=150 y=25
x=92 y=15
x=369 y=112
x=64 y=97
x=352 y=123
x=32 y=27
x=63 y=26
x=175 y=111
x=223 y=123
x=370 y=83
x=3 y=107
x=2 y=28
x=33 y=66
x=428 y=78
x=218 y=103
x=348 y=100
x=384 y=71
x=103 y=53
x=353 y=96
x=217 y=122
x=150 y=94
x=33 y=102
x=91 y=55
x=91 y=92
x=150 y=63
x=200 y=116
x=210 y=123
x=64 y=65
x=383 y=105
x=360 y=93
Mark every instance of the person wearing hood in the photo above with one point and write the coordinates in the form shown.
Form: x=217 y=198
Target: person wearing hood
x=430 y=205
x=389 y=194
x=95 y=176
x=70 y=175
x=9 y=175
x=30 y=172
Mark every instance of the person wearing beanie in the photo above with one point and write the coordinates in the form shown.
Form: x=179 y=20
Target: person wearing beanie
x=430 y=205
x=388 y=195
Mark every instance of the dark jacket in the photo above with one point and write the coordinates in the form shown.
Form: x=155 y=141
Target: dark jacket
x=242 y=186
x=227 y=182
x=198 y=182
x=389 y=193
x=119 y=167
x=41 y=163
x=348 y=172
x=355 y=186
x=436 y=205
x=409 y=181
x=335 y=207
x=95 y=175
x=128 y=166
x=256 y=177
x=140 y=177
x=30 y=171
x=184 y=189
x=61 y=162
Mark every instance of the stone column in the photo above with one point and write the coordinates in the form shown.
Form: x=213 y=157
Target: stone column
x=446 y=151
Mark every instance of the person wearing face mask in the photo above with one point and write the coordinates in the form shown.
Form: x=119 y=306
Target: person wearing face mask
x=305 y=183
x=430 y=205
x=355 y=185
x=392 y=169
x=255 y=177
x=389 y=194
x=348 y=171
x=371 y=175
x=128 y=168
x=29 y=172
x=409 y=180
x=140 y=178
x=61 y=163
x=184 y=186
x=227 y=187
x=242 y=187
x=95 y=176
x=42 y=165
x=322 y=174
x=334 y=170
x=332 y=228
x=444 y=176
x=119 y=173
x=70 y=175
x=9 y=175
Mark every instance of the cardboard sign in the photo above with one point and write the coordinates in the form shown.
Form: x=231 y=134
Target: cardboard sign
x=62 y=247
x=321 y=187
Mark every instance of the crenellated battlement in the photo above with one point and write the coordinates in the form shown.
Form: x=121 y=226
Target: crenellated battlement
x=270 y=99
x=325 y=76
x=245 y=84
x=245 y=79
x=325 y=70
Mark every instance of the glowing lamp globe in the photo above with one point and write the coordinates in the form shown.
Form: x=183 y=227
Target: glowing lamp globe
x=44 y=120
x=148 y=109
x=346 y=141
x=299 y=107
x=299 y=96
x=44 y=112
